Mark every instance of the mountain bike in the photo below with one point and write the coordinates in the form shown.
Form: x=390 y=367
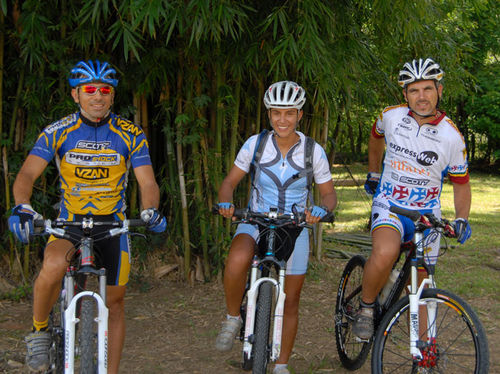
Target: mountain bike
x=79 y=321
x=427 y=331
x=264 y=298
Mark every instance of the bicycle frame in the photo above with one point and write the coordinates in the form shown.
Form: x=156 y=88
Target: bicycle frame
x=415 y=291
x=70 y=319
x=70 y=301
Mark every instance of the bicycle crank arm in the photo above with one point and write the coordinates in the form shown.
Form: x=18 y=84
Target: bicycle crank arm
x=69 y=334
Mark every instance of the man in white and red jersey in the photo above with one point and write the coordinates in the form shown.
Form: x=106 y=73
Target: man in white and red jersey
x=422 y=146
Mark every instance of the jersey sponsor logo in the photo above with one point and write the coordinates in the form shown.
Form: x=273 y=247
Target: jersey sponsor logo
x=405 y=166
x=427 y=158
x=406 y=120
x=92 y=173
x=458 y=168
x=431 y=131
x=95 y=146
x=404 y=127
x=104 y=159
x=66 y=121
x=414 y=181
x=402 y=150
x=130 y=127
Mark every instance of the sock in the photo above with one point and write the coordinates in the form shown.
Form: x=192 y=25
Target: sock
x=40 y=326
x=233 y=317
x=366 y=305
x=279 y=366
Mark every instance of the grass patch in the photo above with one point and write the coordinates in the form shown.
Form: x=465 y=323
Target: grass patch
x=470 y=270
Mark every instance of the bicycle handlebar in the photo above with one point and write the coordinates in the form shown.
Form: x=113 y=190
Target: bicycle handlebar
x=298 y=218
x=56 y=227
x=424 y=221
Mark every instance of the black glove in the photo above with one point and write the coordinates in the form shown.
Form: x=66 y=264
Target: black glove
x=371 y=183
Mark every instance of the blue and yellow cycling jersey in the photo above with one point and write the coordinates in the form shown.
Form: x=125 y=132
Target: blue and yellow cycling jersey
x=93 y=161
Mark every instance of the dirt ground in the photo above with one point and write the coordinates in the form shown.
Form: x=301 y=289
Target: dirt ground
x=171 y=328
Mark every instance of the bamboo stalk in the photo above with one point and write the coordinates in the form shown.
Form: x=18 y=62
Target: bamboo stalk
x=182 y=182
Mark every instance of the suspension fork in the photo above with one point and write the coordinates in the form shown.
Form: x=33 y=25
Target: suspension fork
x=414 y=301
x=69 y=332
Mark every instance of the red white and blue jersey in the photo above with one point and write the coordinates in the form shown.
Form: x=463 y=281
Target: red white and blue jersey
x=93 y=161
x=418 y=158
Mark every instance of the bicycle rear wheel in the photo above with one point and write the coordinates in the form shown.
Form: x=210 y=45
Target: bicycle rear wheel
x=352 y=352
x=88 y=336
x=459 y=344
x=262 y=327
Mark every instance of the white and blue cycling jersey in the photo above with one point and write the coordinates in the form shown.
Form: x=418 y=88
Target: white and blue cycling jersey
x=280 y=182
x=277 y=183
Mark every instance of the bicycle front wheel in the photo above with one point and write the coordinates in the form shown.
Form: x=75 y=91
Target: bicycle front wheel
x=352 y=352
x=262 y=328
x=87 y=338
x=453 y=342
x=56 y=350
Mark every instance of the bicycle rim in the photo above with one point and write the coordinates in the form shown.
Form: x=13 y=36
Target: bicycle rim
x=262 y=327
x=458 y=346
x=352 y=352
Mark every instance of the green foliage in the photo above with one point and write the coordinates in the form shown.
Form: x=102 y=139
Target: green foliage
x=199 y=68
x=485 y=106
x=17 y=294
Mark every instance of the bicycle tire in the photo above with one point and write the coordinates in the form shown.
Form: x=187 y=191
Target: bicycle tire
x=460 y=345
x=260 y=349
x=87 y=338
x=56 y=350
x=351 y=351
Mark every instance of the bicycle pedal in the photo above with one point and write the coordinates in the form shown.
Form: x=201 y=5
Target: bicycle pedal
x=359 y=340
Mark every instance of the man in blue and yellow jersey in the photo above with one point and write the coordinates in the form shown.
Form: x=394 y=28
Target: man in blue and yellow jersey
x=94 y=149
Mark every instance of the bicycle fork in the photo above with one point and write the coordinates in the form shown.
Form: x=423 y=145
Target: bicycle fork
x=414 y=301
x=70 y=321
x=252 y=294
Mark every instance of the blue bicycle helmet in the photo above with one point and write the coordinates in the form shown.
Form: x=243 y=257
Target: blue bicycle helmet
x=86 y=72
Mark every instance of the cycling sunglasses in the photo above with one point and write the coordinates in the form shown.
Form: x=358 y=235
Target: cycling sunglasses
x=92 y=90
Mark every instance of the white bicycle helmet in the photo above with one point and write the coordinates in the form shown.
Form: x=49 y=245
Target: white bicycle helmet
x=420 y=70
x=285 y=94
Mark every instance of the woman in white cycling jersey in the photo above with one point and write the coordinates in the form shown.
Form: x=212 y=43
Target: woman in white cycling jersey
x=280 y=181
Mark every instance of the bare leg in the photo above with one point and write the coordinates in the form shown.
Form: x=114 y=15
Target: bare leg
x=386 y=243
x=235 y=273
x=293 y=287
x=116 y=304
x=48 y=283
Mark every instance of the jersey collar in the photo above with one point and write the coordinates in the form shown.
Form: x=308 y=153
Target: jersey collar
x=95 y=124
x=435 y=121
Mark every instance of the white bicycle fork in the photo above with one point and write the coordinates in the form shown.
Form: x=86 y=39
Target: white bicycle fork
x=252 y=294
x=415 y=303
x=70 y=322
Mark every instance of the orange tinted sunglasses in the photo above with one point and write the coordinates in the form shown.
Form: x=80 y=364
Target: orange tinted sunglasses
x=92 y=90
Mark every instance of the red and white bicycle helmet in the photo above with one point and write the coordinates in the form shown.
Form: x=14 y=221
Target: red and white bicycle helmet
x=420 y=70
x=285 y=94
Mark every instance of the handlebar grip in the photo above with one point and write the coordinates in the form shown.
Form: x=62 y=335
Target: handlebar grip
x=329 y=217
x=39 y=223
x=135 y=222
x=414 y=215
